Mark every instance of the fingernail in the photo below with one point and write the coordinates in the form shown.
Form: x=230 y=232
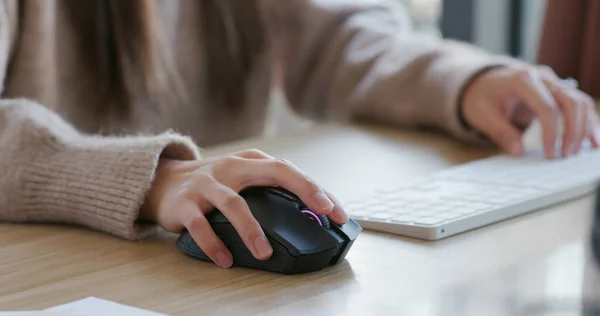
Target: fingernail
x=342 y=216
x=223 y=260
x=262 y=246
x=569 y=149
x=550 y=153
x=566 y=150
x=514 y=149
x=323 y=201
x=574 y=148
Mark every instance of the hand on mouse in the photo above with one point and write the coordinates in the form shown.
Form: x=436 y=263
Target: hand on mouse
x=501 y=102
x=184 y=191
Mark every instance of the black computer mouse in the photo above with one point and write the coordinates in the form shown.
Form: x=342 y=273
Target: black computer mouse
x=302 y=240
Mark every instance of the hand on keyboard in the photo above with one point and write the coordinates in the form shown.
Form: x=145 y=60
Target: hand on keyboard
x=501 y=102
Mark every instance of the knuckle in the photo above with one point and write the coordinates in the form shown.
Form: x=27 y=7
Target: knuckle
x=521 y=75
x=545 y=69
x=232 y=201
x=551 y=112
x=202 y=179
x=282 y=163
x=309 y=186
x=183 y=193
x=211 y=246
x=226 y=163
x=554 y=115
x=198 y=227
x=250 y=228
x=197 y=224
x=254 y=153
x=587 y=101
x=570 y=104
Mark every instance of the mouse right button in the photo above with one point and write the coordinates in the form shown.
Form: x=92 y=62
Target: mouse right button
x=348 y=231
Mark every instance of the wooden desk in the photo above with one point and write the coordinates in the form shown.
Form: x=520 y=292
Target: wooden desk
x=42 y=266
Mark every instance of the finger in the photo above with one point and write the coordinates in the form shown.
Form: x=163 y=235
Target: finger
x=499 y=129
x=201 y=231
x=521 y=116
x=548 y=73
x=574 y=123
x=279 y=172
x=246 y=154
x=507 y=136
x=252 y=154
x=338 y=214
x=593 y=137
x=583 y=127
x=537 y=96
x=593 y=124
x=235 y=208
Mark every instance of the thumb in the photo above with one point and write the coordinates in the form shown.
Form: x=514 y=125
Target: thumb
x=500 y=130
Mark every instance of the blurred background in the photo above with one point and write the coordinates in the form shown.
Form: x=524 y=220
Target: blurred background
x=509 y=27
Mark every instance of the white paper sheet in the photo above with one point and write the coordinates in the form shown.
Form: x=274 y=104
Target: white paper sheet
x=33 y=313
x=91 y=306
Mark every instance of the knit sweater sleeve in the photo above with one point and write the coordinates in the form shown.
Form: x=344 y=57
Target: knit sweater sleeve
x=361 y=59
x=53 y=174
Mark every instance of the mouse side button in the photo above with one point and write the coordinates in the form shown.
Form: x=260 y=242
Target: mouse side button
x=187 y=245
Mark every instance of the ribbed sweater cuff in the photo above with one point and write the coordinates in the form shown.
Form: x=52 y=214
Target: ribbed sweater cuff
x=97 y=182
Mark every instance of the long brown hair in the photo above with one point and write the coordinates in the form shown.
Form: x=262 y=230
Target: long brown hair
x=125 y=44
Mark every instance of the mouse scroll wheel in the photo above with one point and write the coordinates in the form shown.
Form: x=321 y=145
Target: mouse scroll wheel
x=320 y=219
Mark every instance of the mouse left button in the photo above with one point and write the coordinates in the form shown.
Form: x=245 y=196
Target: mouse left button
x=284 y=194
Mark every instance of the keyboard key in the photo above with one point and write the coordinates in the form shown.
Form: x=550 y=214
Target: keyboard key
x=446 y=216
x=429 y=221
x=378 y=208
x=479 y=206
x=388 y=197
x=419 y=205
x=427 y=185
x=463 y=210
x=423 y=213
x=382 y=215
x=439 y=208
x=405 y=218
x=414 y=195
x=401 y=210
x=372 y=200
x=363 y=213
x=452 y=202
x=355 y=206
x=498 y=200
x=396 y=203
x=383 y=192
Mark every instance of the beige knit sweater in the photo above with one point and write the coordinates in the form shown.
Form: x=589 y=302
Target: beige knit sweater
x=68 y=165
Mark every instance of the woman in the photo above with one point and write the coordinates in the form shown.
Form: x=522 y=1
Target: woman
x=90 y=86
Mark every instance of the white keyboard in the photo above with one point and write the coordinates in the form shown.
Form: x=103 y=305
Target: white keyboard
x=476 y=194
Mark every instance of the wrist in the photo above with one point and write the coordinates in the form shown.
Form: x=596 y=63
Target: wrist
x=466 y=91
x=149 y=209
